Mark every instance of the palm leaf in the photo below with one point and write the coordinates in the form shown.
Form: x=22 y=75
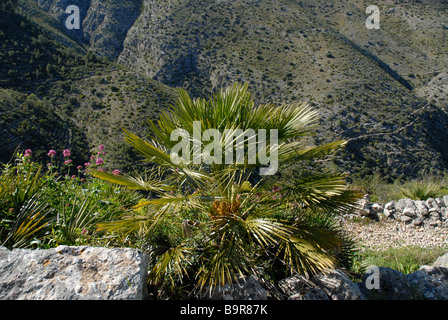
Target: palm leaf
x=172 y=265
x=30 y=223
x=132 y=183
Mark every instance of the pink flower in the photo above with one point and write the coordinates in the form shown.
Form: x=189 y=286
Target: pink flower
x=92 y=157
x=84 y=232
x=101 y=147
x=51 y=153
x=66 y=153
x=68 y=161
x=73 y=177
x=28 y=152
x=87 y=164
x=79 y=167
x=116 y=172
x=99 y=161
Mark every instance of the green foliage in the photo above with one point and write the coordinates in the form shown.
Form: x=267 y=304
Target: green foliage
x=404 y=259
x=423 y=189
x=39 y=208
x=416 y=189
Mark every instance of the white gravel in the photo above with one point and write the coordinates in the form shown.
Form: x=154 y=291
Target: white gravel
x=381 y=235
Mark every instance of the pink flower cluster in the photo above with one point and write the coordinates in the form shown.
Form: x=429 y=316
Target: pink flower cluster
x=68 y=162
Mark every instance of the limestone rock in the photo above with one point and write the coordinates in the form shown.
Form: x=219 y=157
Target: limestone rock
x=245 y=289
x=393 y=285
x=310 y=294
x=73 y=273
x=405 y=219
x=410 y=212
x=292 y=285
x=429 y=283
x=405 y=203
x=422 y=209
x=440 y=202
x=390 y=205
x=445 y=199
x=441 y=261
x=338 y=286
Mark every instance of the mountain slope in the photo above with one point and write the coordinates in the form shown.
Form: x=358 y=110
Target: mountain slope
x=56 y=94
x=384 y=90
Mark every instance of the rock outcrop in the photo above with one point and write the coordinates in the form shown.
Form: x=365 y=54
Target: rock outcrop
x=73 y=273
x=428 y=283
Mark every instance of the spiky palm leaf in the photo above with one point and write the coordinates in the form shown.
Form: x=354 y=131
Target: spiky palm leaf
x=30 y=223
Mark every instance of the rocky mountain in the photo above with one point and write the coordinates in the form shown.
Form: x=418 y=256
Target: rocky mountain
x=384 y=90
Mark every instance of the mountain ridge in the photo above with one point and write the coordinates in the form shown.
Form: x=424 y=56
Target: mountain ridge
x=385 y=91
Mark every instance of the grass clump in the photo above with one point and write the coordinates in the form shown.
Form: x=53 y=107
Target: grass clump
x=405 y=259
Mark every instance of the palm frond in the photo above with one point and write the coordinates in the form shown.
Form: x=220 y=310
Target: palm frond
x=171 y=265
x=30 y=223
x=133 y=183
x=304 y=257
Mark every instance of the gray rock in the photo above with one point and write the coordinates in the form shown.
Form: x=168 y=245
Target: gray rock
x=393 y=285
x=377 y=208
x=441 y=261
x=440 y=202
x=445 y=199
x=389 y=213
x=445 y=213
x=338 y=286
x=73 y=273
x=406 y=219
x=410 y=212
x=405 y=203
x=421 y=207
x=440 y=273
x=310 y=294
x=426 y=287
x=417 y=221
x=390 y=205
x=365 y=208
x=431 y=203
x=292 y=285
x=245 y=289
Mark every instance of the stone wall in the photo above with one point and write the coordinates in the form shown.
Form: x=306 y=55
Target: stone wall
x=429 y=213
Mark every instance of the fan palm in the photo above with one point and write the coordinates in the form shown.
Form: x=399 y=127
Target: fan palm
x=25 y=211
x=220 y=226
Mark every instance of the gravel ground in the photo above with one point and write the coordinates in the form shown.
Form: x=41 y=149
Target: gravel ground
x=380 y=235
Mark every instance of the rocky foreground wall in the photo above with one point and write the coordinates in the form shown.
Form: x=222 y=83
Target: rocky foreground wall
x=73 y=273
x=78 y=273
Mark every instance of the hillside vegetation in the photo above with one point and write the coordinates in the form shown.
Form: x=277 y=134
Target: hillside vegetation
x=385 y=90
